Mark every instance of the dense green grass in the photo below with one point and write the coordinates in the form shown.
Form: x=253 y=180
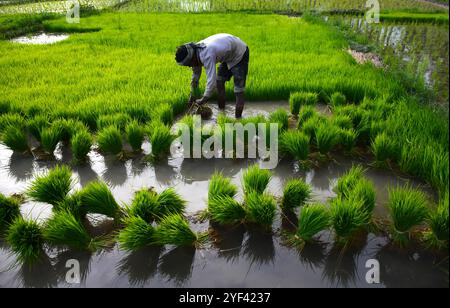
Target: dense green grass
x=81 y=145
x=313 y=219
x=347 y=182
x=175 y=230
x=296 y=192
x=347 y=217
x=135 y=135
x=109 y=140
x=255 y=179
x=97 y=198
x=137 y=234
x=15 y=139
x=299 y=99
x=295 y=144
x=51 y=187
x=221 y=186
x=224 y=210
x=438 y=221
x=26 y=240
x=260 y=208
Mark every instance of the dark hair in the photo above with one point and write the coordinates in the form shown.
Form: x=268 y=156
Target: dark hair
x=181 y=53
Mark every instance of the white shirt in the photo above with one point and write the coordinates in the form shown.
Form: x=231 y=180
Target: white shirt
x=221 y=48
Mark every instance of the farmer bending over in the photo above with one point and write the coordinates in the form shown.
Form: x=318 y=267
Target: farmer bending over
x=233 y=55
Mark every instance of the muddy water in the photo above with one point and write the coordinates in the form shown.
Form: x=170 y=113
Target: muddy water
x=240 y=257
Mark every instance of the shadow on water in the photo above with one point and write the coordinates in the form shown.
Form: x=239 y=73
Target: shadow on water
x=85 y=174
x=82 y=257
x=289 y=221
x=398 y=266
x=137 y=166
x=115 y=171
x=259 y=248
x=164 y=173
x=21 y=167
x=313 y=255
x=39 y=275
x=228 y=240
x=341 y=264
x=140 y=266
x=177 y=264
x=193 y=171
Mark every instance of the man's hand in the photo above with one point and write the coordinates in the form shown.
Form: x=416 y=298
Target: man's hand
x=201 y=101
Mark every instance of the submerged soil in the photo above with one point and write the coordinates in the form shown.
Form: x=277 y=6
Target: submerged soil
x=237 y=257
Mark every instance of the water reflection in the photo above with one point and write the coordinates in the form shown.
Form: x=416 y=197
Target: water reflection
x=140 y=266
x=115 y=172
x=259 y=248
x=228 y=240
x=313 y=255
x=176 y=265
x=39 y=275
x=20 y=166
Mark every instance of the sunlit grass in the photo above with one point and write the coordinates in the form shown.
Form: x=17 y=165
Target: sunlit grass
x=26 y=240
x=296 y=192
x=256 y=179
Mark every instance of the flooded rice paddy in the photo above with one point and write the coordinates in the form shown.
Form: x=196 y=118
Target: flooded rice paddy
x=238 y=257
x=40 y=39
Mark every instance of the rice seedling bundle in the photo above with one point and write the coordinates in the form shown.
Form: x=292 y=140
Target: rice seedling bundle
x=9 y=210
x=135 y=135
x=170 y=202
x=144 y=205
x=51 y=187
x=347 y=216
x=260 y=208
x=327 y=136
x=256 y=179
x=97 y=198
x=37 y=124
x=437 y=236
x=295 y=144
x=64 y=229
x=337 y=99
x=306 y=112
x=68 y=128
x=343 y=121
x=298 y=99
x=11 y=120
x=296 y=192
x=384 y=148
x=16 y=139
x=221 y=186
x=109 y=140
x=81 y=144
x=137 y=234
x=225 y=210
x=364 y=191
x=348 y=139
x=407 y=209
x=310 y=125
x=160 y=138
x=347 y=182
x=50 y=137
x=72 y=204
x=313 y=219
x=174 y=230
x=118 y=120
x=281 y=117
x=26 y=240
x=165 y=114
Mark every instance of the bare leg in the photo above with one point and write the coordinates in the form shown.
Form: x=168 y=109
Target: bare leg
x=221 y=94
x=240 y=101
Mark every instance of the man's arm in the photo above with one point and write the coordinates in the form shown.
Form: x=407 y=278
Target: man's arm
x=196 y=73
x=210 y=67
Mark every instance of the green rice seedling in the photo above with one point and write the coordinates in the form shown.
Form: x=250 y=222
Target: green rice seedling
x=221 y=186
x=118 y=120
x=160 y=138
x=68 y=128
x=384 y=148
x=347 y=182
x=347 y=216
x=5 y=107
x=260 y=208
x=109 y=140
x=313 y=219
x=364 y=191
x=256 y=179
x=298 y=99
x=337 y=99
x=306 y=112
x=309 y=126
x=50 y=137
x=15 y=139
x=72 y=204
x=438 y=220
x=348 y=139
x=11 y=119
x=175 y=230
x=37 y=124
x=327 y=136
x=166 y=114
x=64 y=229
x=81 y=144
x=407 y=209
x=296 y=192
x=170 y=202
x=144 y=205
x=137 y=234
x=135 y=135
x=26 y=240
x=295 y=144
x=51 y=187
x=97 y=198
x=224 y=210
x=9 y=210
x=343 y=121
x=281 y=117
